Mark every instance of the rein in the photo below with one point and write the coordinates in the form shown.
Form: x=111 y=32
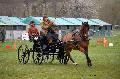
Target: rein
x=79 y=34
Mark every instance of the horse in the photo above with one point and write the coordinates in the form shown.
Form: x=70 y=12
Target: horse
x=80 y=41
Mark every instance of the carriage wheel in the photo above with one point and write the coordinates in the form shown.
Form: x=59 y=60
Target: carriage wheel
x=37 y=57
x=66 y=59
x=48 y=58
x=61 y=61
x=49 y=55
x=23 y=54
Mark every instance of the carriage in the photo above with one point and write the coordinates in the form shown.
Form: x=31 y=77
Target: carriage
x=42 y=51
x=46 y=47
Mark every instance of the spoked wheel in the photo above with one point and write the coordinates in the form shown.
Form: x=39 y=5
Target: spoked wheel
x=49 y=54
x=23 y=54
x=37 y=57
x=48 y=58
x=66 y=59
x=61 y=61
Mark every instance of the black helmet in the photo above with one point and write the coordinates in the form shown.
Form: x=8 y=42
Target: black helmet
x=31 y=22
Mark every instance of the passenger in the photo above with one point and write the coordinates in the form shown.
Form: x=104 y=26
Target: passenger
x=32 y=31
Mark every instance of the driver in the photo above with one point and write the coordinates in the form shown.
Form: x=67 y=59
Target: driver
x=48 y=29
x=46 y=24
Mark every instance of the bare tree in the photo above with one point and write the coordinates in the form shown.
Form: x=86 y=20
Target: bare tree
x=109 y=11
x=103 y=9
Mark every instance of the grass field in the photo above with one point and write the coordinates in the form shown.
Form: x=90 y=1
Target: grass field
x=106 y=64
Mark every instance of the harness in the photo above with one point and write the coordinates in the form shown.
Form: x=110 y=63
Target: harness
x=75 y=41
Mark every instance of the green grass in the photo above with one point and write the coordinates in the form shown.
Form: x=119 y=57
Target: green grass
x=106 y=64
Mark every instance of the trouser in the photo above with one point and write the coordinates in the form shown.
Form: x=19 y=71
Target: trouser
x=53 y=37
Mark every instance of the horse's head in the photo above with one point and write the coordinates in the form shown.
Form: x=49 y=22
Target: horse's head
x=84 y=29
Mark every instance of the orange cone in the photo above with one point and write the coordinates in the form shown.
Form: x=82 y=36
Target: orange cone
x=7 y=46
x=14 y=45
x=105 y=42
x=99 y=41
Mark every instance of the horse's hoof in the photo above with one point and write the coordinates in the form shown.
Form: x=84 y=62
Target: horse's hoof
x=89 y=64
x=75 y=63
x=65 y=63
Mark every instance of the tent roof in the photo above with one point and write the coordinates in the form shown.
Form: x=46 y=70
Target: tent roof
x=100 y=22
x=16 y=20
x=60 y=21
x=38 y=20
x=1 y=23
x=73 y=21
x=5 y=20
x=86 y=20
x=11 y=20
x=30 y=18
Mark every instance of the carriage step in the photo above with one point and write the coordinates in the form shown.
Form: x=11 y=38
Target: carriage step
x=50 y=53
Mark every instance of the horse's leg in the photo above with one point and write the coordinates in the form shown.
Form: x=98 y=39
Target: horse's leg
x=85 y=51
x=69 y=56
x=87 y=57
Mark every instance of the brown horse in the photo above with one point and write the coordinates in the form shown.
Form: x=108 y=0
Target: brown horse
x=78 y=41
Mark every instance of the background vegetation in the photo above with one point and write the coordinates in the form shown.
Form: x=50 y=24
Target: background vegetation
x=107 y=10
